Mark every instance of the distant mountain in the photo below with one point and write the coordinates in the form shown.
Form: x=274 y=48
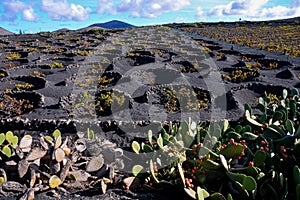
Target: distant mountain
x=5 y=32
x=112 y=24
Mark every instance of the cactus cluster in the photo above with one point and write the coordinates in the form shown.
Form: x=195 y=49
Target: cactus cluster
x=51 y=163
x=255 y=159
x=55 y=65
x=13 y=56
x=239 y=75
x=8 y=142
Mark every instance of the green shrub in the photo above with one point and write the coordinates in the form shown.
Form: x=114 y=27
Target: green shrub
x=56 y=65
x=84 y=52
x=97 y=31
x=255 y=159
x=13 y=56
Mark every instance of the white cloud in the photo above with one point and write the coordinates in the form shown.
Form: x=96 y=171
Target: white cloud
x=62 y=10
x=295 y=3
x=150 y=8
x=11 y=9
x=29 y=15
x=14 y=6
x=199 y=13
x=252 y=9
x=280 y=12
x=106 y=6
x=239 y=7
x=276 y=12
x=155 y=6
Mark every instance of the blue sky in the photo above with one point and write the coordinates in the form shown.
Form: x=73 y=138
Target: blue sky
x=33 y=16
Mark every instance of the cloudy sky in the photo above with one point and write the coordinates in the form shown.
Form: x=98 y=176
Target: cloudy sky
x=47 y=15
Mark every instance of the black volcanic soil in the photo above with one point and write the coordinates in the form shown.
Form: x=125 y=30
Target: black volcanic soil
x=125 y=83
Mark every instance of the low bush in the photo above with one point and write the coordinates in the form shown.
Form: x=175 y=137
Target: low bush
x=97 y=31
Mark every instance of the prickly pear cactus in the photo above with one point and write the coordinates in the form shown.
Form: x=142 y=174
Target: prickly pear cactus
x=253 y=158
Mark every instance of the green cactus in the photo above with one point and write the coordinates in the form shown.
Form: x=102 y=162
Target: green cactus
x=267 y=190
x=2 y=180
x=136 y=147
x=49 y=138
x=277 y=116
x=146 y=148
x=297 y=148
x=298 y=191
x=210 y=165
x=290 y=126
x=137 y=169
x=259 y=158
x=150 y=135
x=267 y=100
x=2 y=138
x=251 y=120
x=262 y=108
x=249 y=136
x=262 y=101
x=297 y=133
x=160 y=142
x=285 y=141
x=234 y=135
x=253 y=156
x=56 y=133
x=217 y=196
x=294 y=92
x=90 y=134
x=293 y=107
x=232 y=150
x=248 y=107
x=249 y=171
x=217 y=130
x=11 y=139
x=284 y=94
x=181 y=174
x=203 y=151
x=201 y=193
x=296 y=174
x=7 y=151
x=271 y=133
x=187 y=139
x=243 y=193
x=190 y=192
x=224 y=162
x=238 y=128
x=165 y=135
x=249 y=183
x=277 y=129
x=246 y=128
x=229 y=197
x=8 y=142
x=236 y=177
x=198 y=137
x=152 y=172
x=262 y=119
x=225 y=125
